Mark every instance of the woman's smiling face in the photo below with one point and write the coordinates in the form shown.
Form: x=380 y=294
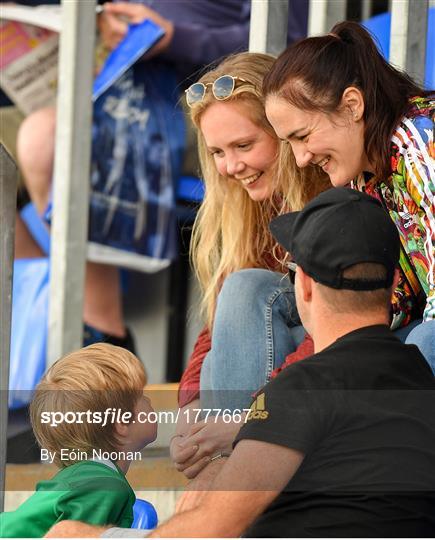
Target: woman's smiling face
x=333 y=142
x=242 y=151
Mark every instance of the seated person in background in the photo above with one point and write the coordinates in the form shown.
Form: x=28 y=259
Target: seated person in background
x=340 y=444
x=92 y=452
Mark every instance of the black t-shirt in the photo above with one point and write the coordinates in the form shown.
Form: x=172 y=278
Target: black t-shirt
x=363 y=413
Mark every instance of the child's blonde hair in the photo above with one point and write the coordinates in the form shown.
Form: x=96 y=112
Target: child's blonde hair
x=95 y=378
x=231 y=231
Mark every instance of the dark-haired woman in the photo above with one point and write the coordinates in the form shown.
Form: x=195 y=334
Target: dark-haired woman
x=344 y=109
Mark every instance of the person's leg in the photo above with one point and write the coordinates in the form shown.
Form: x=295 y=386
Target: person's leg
x=35 y=151
x=423 y=335
x=256 y=326
x=102 y=306
x=25 y=245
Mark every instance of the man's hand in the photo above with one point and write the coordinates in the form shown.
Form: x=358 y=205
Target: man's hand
x=114 y=24
x=112 y=29
x=75 y=529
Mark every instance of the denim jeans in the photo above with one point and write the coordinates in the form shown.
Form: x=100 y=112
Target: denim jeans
x=256 y=326
x=423 y=335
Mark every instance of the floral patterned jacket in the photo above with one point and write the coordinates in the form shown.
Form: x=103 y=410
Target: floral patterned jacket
x=409 y=197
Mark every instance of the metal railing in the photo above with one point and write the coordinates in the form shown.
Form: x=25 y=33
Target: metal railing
x=71 y=178
x=8 y=198
x=268 y=27
x=408 y=36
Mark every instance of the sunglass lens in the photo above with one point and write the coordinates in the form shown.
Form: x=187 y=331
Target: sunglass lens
x=195 y=93
x=223 y=87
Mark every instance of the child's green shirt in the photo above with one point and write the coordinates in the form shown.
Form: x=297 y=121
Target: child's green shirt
x=87 y=491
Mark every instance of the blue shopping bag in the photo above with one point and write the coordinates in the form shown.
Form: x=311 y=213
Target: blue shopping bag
x=137 y=152
x=28 y=329
x=138 y=142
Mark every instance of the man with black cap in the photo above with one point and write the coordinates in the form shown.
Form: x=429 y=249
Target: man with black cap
x=341 y=443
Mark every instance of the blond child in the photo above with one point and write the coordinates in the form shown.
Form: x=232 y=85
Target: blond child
x=89 y=417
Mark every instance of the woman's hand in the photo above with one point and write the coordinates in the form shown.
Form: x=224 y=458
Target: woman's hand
x=192 y=452
x=180 y=452
x=186 y=458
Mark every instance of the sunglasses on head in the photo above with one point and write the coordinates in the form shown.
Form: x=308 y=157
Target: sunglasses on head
x=291 y=268
x=222 y=88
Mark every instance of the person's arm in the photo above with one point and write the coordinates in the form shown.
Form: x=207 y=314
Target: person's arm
x=197 y=488
x=189 y=384
x=188 y=401
x=304 y=350
x=74 y=529
x=197 y=44
x=249 y=481
x=419 y=179
x=180 y=451
x=201 y=44
x=428 y=204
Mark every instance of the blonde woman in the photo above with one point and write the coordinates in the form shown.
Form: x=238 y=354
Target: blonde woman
x=251 y=319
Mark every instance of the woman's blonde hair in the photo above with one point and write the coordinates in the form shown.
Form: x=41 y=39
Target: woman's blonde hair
x=231 y=230
x=94 y=378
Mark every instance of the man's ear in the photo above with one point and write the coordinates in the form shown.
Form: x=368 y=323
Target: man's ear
x=353 y=101
x=306 y=285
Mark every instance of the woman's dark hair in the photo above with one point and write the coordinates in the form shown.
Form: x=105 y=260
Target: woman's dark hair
x=313 y=73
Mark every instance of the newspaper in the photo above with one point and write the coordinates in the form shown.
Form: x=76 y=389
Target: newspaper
x=29 y=45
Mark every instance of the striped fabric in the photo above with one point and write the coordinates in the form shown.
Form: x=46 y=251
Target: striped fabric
x=409 y=196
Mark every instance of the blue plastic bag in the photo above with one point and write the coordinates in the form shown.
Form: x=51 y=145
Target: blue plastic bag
x=144 y=515
x=138 y=145
x=29 y=328
x=138 y=141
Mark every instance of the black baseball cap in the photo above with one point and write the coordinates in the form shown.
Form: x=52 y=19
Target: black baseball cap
x=337 y=229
